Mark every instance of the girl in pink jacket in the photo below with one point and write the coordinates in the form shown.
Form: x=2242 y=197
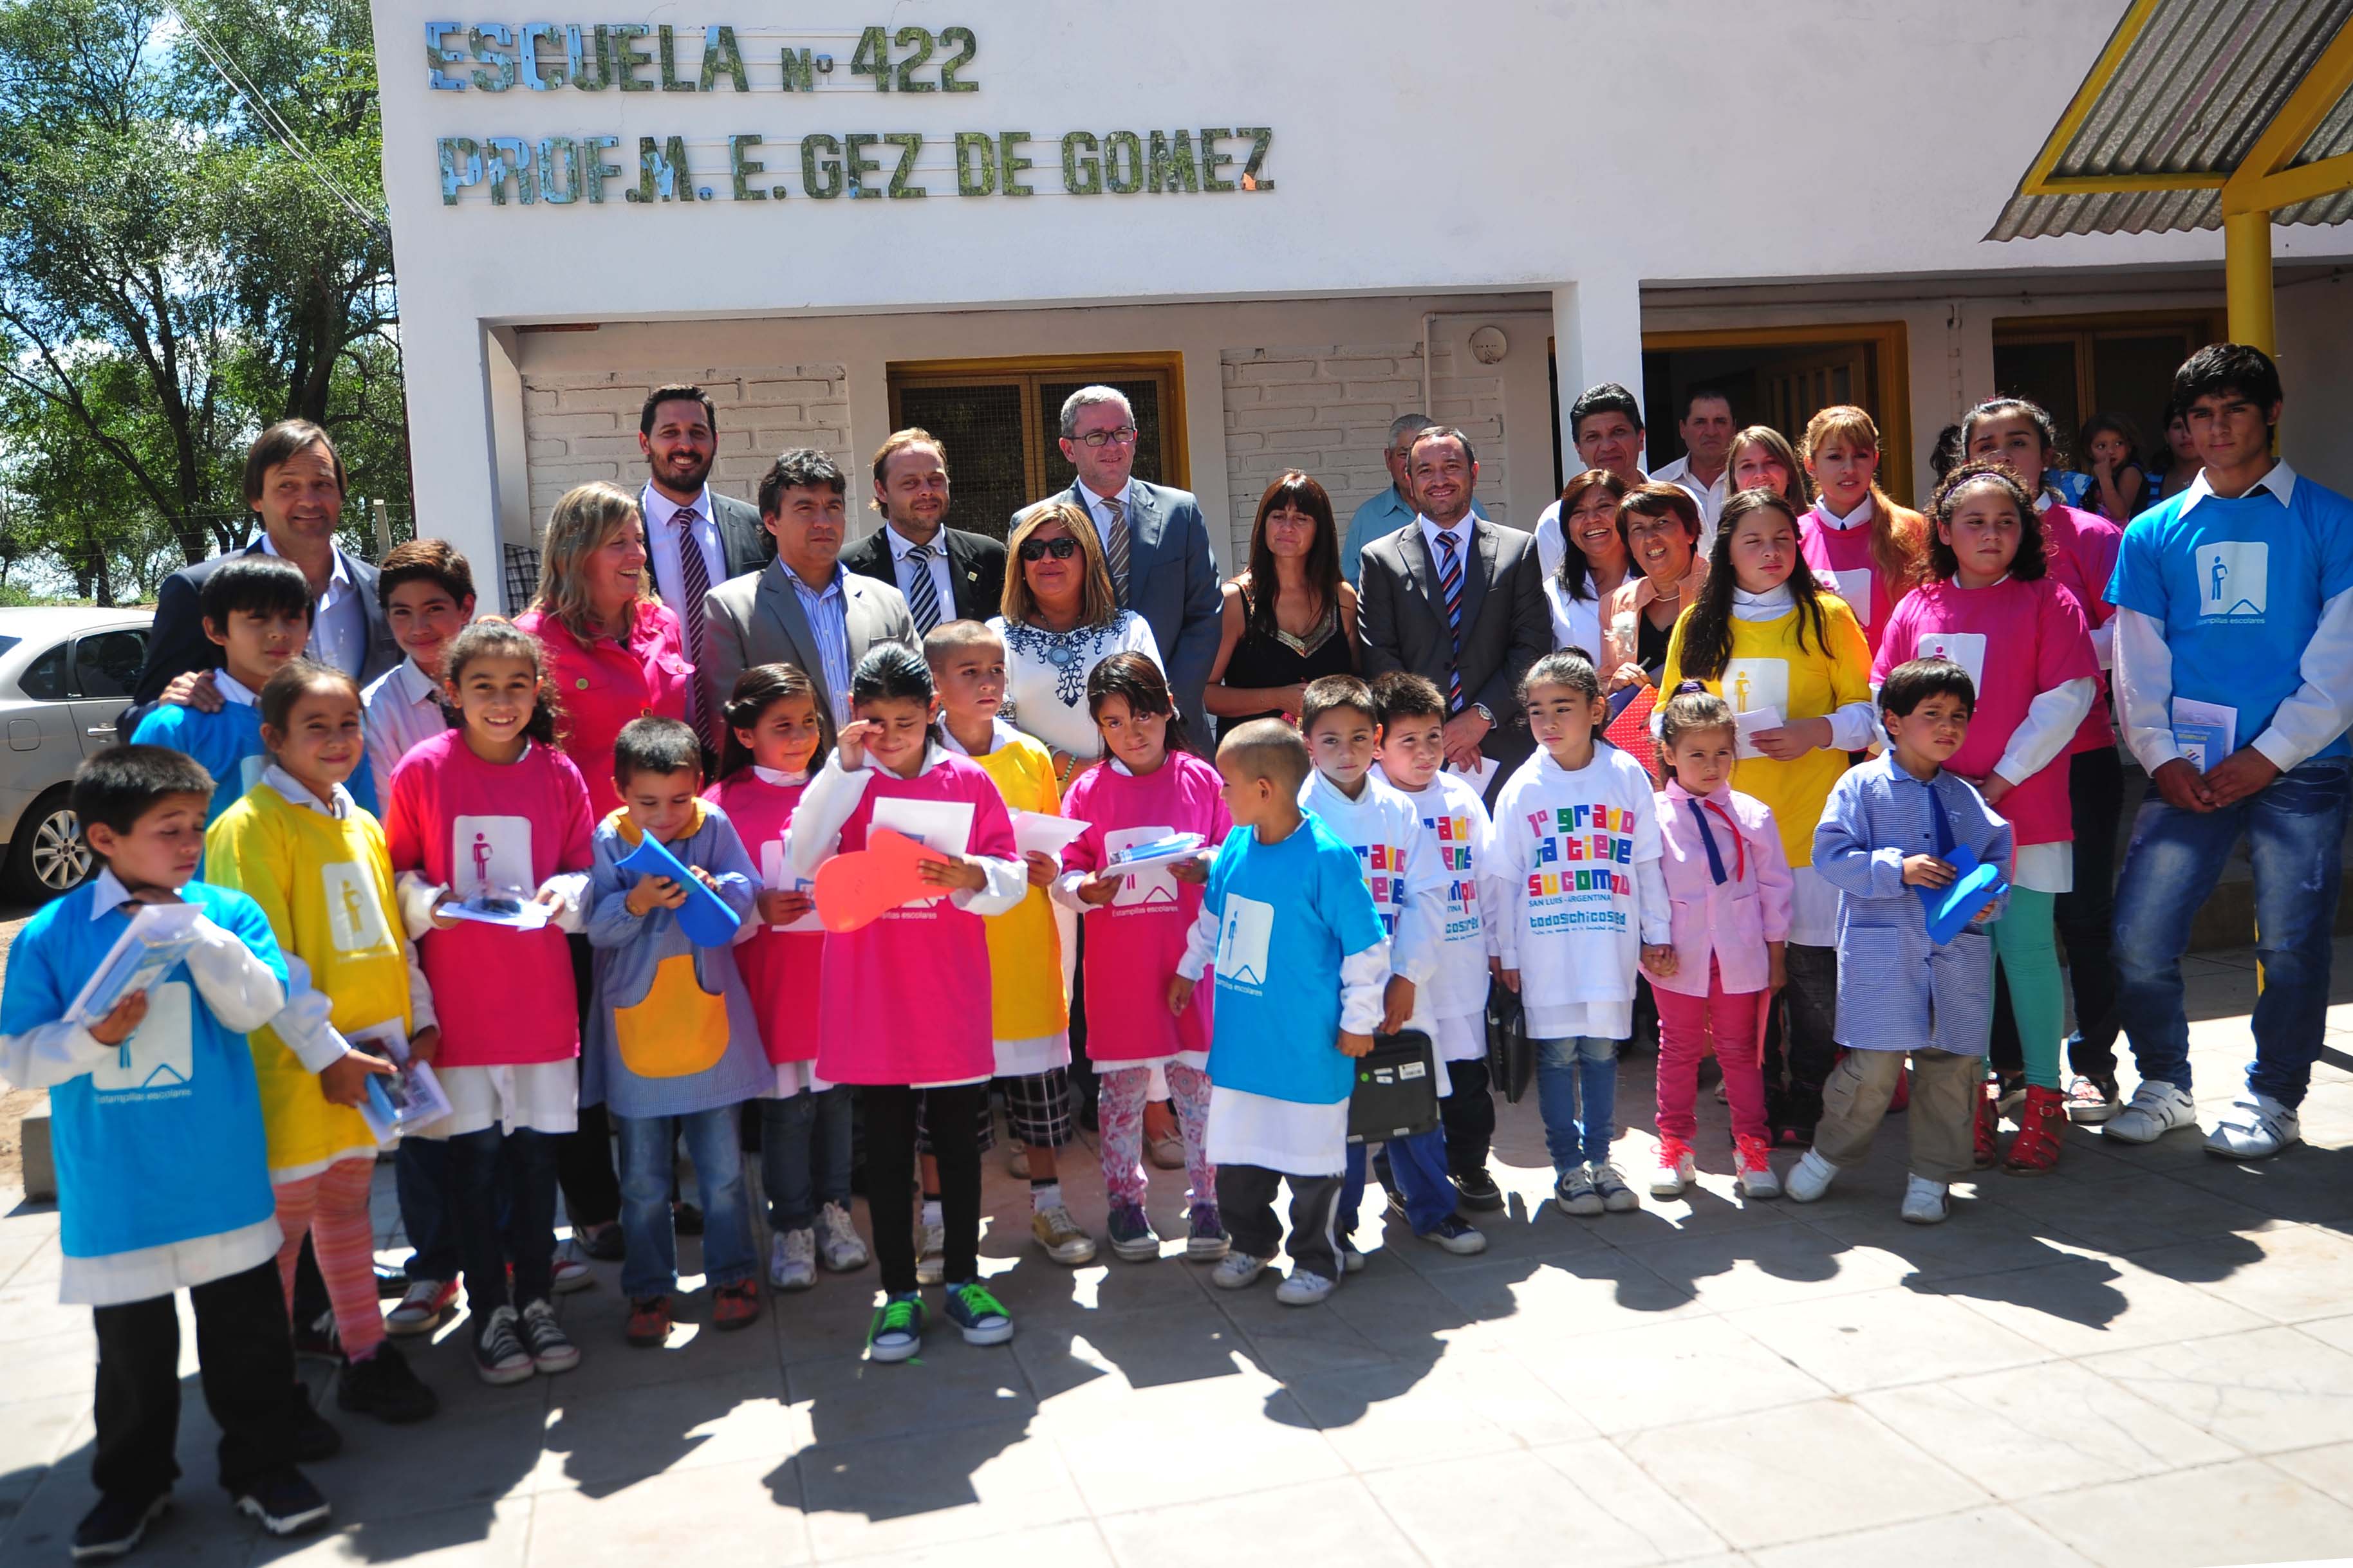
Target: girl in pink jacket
x=1728 y=882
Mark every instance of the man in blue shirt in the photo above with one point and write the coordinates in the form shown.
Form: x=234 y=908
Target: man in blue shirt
x=2234 y=680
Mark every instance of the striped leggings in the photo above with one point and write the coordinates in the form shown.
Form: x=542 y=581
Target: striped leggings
x=333 y=1205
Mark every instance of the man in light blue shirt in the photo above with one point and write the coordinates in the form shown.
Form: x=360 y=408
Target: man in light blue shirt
x=1391 y=509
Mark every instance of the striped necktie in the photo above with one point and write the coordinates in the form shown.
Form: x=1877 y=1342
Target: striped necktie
x=1115 y=546
x=694 y=582
x=923 y=593
x=1449 y=586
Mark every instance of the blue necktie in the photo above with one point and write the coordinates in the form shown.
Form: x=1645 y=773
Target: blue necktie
x=1450 y=587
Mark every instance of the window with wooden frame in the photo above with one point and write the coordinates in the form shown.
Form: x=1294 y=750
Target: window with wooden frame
x=1782 y=376
x=2121 y=361
x=1000 y=423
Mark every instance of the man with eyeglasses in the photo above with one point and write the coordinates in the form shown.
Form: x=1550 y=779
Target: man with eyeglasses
x=1153 y=539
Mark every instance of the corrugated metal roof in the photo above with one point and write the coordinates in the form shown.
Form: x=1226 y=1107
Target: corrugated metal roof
x=2193 y=91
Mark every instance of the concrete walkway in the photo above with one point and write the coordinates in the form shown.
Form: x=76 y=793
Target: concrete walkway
x=2146 y=1359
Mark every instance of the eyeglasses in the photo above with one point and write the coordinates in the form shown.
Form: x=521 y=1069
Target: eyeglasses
x=1099 y=438
x=1059 y=549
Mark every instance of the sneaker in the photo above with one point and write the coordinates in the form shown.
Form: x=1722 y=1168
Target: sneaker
x=2041 y=1128
x=2091 y=1100
x=1617 y=1197
x=285 y=1503
x=1016 y=1164
x=1132 y=1236
x=1456 y=1235
x=1205 y=1239
x=1810 y=1177
x=315 y=1438
x=736 y=1306
x=384 y=1386
x=1575 y=1194
x=649 y=1321
x=1237 y=1271
x=1304 y=1288
x=2256 y=1127
x=550 y=1352
x=685 y=1219
x=422 y=1308
x=932 y=1255
x=569 y=1275
x=2156 y=1108
x=1923 y=1201
x=839 y=1247
x=1676 y=1169
x=1752 y=1168
x=1064 y=1242
x=897 y=1331
x=980 y=1316
x=1477 y=1191
x=1985 y=1151
x=113 y=1528
x=601 y=1242
x=318 y=1340
x=791 y=1259
x=1352 y=1257
x=499 y=1355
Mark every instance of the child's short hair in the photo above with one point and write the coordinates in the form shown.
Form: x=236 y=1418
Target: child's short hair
x=891 y=671
x=256 y=585
x=944 y=639
x=1692 y=707
x=1328 y=692
x=1268 y=749
x=424 y=561
x=1571 y=666
x=120 y=785
x=1139 y=682
x=495 y=636
x=1915 y=682
x=296 y=676
x=759 y=689
x=1401 y=694
x=655 y=746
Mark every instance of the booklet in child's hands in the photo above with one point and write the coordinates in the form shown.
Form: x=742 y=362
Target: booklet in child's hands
x=1155 y=852
x=408 y=1099
x=157 y=938
x=514 y=910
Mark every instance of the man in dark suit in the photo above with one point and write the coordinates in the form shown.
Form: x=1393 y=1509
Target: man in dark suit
x=1158 y=547
x=294 y=483
x=944 y=574
x=1457 y=599
x=694 y=540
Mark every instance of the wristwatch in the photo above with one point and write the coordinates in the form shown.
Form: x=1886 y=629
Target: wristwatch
x=1480 y=708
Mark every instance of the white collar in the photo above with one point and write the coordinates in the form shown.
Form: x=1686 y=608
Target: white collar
x=338 y=576
x=662 y=510
x=1000 y=735
x=236 y=690
x=1461 y=530
x=1318 y=785
x=414 y=684
x=106 y=894
x=297 y=793
x=1780 y=598
x=934 y=756
x=779 y=777
x=1126 y=497
x=1855 y=519
x=900 y=543
x=2280 y=481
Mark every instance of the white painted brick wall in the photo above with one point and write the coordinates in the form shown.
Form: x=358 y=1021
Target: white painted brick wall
x=582 y=427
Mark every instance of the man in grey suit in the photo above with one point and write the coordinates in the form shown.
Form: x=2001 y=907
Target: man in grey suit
x=1457 y=599
x=1158 y=547
x=802 y=608
x=694 y=540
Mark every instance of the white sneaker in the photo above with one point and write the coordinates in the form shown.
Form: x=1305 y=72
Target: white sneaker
x=791 y=1259
x=838 y=1245
x=1810 y=1177
x=1304 y=1288
x=1675 y=1170
x=1575 y=1194
x=1237 y=1271
x=1923 y=1201
x=1752 y=1169
x=1352 y=1257
x=932 y=1255
x=2256 y=1127
x=2156 y=1108
x=1617 y=1197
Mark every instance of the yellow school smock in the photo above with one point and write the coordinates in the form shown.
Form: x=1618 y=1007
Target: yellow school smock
x=1025 y=944
x=325 y=883
x=1767 y=669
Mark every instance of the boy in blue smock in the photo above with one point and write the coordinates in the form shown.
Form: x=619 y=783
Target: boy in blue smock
x=1301 y=962
x=162 y=1175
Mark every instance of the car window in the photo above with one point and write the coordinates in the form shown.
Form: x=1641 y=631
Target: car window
x=106 y=664
x=45 y=678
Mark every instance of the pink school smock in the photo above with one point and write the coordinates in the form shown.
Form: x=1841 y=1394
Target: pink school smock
x=2017 y=641
x=505 y=997
x=781 y=968
x=1841 y=564
x=1730 y=921
x=2081 y=548
x=1135 y=942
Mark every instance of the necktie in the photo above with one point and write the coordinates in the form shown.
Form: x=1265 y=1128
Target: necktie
x=1450 y=587
x=695 y=583
x=922 y=595
x=1115 y=547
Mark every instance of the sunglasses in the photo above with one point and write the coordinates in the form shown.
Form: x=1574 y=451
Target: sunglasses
x=1038 y=548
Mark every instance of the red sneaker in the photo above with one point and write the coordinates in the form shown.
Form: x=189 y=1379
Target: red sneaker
x=1989 y=1152
x=736 y=1306
x=648 y=1322
x=2041 y=1127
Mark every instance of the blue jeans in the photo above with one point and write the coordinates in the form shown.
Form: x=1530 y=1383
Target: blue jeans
x=2295 y=831
x=651 y=1266
x=1576 y=1094
x=805 y=1155
x=420 y=1174
x=1419 y=1166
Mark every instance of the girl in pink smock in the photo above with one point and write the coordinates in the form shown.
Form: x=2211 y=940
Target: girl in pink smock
x=905 y=1009
x=491 y=818
x=1728 y=884
x=1861 y=544
x=1993 y=609
x=1135 y=930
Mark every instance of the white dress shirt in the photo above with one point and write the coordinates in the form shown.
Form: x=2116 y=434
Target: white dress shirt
x=904 y=571
x=1096 y=509
x=400 y=709
x=662 y=549
x=338 y=623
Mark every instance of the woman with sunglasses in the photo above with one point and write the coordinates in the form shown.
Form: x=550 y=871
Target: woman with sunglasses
x=1289 y=619
x=1061 y=619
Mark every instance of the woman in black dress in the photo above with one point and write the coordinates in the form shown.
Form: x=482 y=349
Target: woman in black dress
x=1289 y=619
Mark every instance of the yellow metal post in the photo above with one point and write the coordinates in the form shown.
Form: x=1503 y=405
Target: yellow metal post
x=2247 y=278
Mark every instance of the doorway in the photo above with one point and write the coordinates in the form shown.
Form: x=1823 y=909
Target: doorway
x=1781 y=376
x=2122 y=363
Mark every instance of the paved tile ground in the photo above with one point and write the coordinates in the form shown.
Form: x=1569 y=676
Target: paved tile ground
x=2145 y=1359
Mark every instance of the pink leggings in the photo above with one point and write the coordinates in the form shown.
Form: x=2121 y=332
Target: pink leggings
x=1684 y=1024
x=333 y=1207
x=1119 y=1112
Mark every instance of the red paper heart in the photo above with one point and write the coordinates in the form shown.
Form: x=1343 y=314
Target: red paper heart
x=859 y=887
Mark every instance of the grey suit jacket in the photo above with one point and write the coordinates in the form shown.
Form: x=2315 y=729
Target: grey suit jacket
x=757 y=619
x=1401 y=622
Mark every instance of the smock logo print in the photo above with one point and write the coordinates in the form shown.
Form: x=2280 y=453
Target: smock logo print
x=160 y=1054
x=491 y=854
x=1750 y=684
x=353 y=919
x=2233 y=579
x=1242 y=938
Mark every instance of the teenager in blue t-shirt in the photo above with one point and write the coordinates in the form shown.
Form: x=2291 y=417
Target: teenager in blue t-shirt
x=1301 y=962
x=2234 y=680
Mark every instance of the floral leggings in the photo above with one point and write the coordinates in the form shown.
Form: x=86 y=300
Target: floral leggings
x=333 y=1205
x=1120 y=1114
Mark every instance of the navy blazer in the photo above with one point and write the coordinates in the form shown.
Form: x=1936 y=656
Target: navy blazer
x=975 y=568
x=177 y=644
x=1171 y=582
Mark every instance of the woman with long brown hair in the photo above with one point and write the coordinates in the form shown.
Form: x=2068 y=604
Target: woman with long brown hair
x=1290 y=618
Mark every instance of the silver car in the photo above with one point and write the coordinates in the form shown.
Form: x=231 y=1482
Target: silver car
x=65 y=674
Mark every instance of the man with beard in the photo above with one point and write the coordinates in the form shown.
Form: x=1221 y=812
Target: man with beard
x=944 y=574
x=677 y=431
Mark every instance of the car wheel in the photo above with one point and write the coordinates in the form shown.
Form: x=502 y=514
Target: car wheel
x=47 y=856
